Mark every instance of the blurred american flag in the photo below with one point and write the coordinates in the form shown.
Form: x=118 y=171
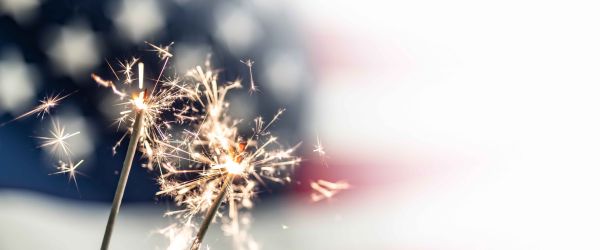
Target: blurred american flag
x=53 y=46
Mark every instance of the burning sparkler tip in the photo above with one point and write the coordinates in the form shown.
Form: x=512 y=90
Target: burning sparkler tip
x=209 y=160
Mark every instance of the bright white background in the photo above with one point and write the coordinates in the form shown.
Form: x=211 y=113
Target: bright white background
x=481 y=118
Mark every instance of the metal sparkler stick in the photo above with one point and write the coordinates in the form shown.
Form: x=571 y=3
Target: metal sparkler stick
x=136 y=133
x=212 y=211
x=116 y=204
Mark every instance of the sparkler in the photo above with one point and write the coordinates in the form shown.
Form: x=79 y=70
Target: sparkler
x=135 y=136
x=138 y=103
x=144 y=110
x=206 y=163
x=226 y=166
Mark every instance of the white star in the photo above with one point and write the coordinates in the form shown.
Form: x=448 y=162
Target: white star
x=20 y=10
x=17 y=83
x=74 y=50
x=138 y=19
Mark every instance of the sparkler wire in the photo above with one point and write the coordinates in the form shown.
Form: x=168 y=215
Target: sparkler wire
x=116 y=204
x=212 y=211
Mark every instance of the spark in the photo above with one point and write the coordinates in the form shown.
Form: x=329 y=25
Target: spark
x=320 y=150
x=58 y=144
x=163 y=52
x=68 y=168
x=46 y=104
x=112 y=69
x=326 y=190
x=189 y=137
x=127 y=69
x=224 y=151
x=249 y=63
x=107 y=84
x=218 y=158
x=57 y=140
x=156 y=104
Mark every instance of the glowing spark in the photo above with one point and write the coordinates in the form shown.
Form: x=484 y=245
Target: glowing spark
x=108 y=84
x=163 y=52
x=220 y=163
x=137 y=101
x=68 y=168
x=58 y=140
x=127 y=69
x=320 y=150
x=47 y=103
x=234 y=167
x=112 y=69
x=326 y=190
x=249 y=63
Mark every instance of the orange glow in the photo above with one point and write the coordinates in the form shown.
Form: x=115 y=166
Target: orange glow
x=138 y=100
x=234 y=167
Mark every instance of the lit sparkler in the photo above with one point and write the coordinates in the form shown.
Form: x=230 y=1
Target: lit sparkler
x=143 y=111
x=207 y=164
x=208 y=161
x=139 y=106
x=224 y=165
